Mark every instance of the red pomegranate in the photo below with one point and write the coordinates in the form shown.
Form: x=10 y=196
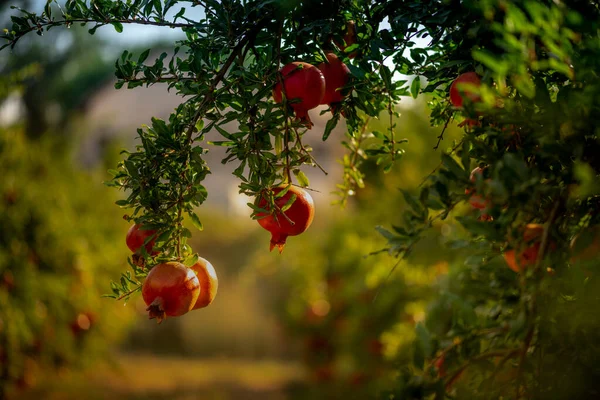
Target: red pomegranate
x=136 y=236
x=532 y=237
x=291 y=222
x=304 y=85
x=209 y=283
x=460 y=88
x=170 y=289
x=336 y=75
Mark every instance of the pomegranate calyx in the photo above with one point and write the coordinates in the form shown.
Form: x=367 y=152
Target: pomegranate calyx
x=304 y=118
x=278 y=240
x=156 y=310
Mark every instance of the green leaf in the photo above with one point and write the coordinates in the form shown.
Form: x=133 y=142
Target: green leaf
x=385 y=233
x=412 y=201
x=143 y=56
x=158 y=7
x=185 y=232
x=302 y=178
x=118 y=26
x=196 y=220
x=415 y=87
x=165 y=236
x=289 y=203
x=191 y=260
x=331 y=124
x=524 y=85
x=452 y=166
x=357 y=72
x=492 y=61
x=48 y=8
x=131 y=168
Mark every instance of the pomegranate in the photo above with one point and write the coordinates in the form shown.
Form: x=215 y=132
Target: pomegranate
x=293 y=221
x=170 y=289
x=304 y=85
x=532 y=236
x=209 y=283
x=462 y=86
x=136 y=236
x=336 y=75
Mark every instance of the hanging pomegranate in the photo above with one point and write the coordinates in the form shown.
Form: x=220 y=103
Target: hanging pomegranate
x=304 y=87
x=291 y=222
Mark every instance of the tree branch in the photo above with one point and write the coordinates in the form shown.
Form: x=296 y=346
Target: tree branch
x=220 y=75
x=40 y=26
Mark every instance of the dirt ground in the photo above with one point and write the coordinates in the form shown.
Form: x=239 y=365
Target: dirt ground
x=134 y=377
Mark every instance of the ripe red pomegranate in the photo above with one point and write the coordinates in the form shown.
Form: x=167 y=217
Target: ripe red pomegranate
x=336 y=75
x=296 y=220
x=460 y=89
x=170 y=289
x=304 y=85
x=136 y=238
x=532 y=236
x=209 y=283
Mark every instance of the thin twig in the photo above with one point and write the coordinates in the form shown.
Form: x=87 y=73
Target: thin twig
x=284 y=98
x=441 y=136
x=314 y=160
x=160 y=79
x=462 y=341
x=209 y=97
x=39 y=26
x=484 y=356
x=387 y=278
x=121 y=297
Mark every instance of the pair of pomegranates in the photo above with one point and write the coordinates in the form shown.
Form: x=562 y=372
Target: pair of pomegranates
x=172 y=289
x=307 y=86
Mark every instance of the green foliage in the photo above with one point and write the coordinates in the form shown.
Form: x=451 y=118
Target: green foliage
x=56 y=254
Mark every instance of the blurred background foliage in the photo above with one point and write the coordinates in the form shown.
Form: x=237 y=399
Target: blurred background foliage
x=56 y=249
